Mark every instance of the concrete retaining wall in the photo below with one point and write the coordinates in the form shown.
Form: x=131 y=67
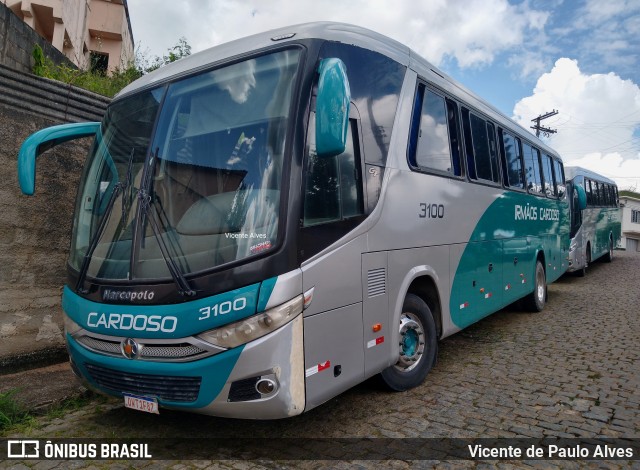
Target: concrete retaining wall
x=35 y=231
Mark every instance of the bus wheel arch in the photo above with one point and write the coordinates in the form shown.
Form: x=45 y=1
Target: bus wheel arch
x=425 y=288
x=609 y=256
x=536 y=300
x=582 y=272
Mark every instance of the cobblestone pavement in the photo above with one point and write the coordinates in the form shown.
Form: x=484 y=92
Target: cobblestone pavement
x=571 y=371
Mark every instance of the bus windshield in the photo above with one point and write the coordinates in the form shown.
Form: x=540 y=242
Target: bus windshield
x=211 y=178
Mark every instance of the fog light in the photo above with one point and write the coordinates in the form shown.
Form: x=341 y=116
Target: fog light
x=265 y=386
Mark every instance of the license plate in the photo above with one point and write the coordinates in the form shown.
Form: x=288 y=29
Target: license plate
x=148 y=405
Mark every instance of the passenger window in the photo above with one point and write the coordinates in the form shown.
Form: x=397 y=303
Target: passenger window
x=532 y=169
x=481 y=149
x=559 y=176
x=333 y=185
x=587 y=187
x=435 y=145
x=549 y=186
x=512 y=161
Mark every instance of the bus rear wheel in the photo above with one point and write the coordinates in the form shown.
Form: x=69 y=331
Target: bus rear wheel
x=535 y=301
x=609 y=256
x=418 y=346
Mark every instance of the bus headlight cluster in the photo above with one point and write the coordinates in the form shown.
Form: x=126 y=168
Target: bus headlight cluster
x=257 y=326
x=70 y=327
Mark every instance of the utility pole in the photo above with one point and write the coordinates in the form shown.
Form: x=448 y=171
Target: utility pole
x=545 y=130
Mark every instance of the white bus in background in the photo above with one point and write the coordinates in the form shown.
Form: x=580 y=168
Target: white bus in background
x=596 y=229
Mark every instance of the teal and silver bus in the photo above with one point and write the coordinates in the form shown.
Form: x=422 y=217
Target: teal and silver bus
x=596 y=222
x=265 y=224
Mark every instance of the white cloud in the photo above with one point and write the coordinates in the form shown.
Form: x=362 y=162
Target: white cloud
x=472 y=32
x=598 y=120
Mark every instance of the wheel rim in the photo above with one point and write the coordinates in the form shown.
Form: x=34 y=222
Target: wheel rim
x=540 y=285
x=412 y=342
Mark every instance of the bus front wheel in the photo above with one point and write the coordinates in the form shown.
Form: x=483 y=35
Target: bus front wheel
x=535 y=301
x=418 y=346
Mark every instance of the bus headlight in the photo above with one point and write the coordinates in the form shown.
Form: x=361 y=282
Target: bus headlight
x=70 y=327
x=257 y=326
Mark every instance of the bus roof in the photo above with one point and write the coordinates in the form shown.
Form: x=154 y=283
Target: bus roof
x=571 y=172
x=331 y=31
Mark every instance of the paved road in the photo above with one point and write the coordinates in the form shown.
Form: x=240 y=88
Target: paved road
x=571 y=371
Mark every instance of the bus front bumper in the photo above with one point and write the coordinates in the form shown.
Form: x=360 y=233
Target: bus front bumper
x=263 y=379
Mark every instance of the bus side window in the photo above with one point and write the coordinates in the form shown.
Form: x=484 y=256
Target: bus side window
x=587 y=188
x=435 y=145
x=512 y=161
x=549 y=185
x=559 y=176
x=481 y=148
x=532 y=168
x=333 y=185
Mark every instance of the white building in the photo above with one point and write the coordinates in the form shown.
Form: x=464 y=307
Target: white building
x=630 y=203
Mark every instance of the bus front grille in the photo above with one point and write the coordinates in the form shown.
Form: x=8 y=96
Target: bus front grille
x=166 y=352
x=176 y=389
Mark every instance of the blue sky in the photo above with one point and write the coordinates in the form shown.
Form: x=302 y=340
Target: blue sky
x=524 y=57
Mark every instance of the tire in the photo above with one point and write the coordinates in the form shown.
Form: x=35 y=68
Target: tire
x=418 y=346
x=535 y=301
x=609 y=256
x=582 y=272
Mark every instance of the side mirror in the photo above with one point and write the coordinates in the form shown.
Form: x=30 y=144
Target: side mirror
x=332 y=108
x=582 y=196
x=43 y=140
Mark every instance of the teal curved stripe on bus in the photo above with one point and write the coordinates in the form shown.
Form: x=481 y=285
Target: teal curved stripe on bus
x=498 y=263
x=266 y=289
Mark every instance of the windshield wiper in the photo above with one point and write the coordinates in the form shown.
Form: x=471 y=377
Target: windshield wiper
x=119 y=187
x=146 y=206
x=96 y=237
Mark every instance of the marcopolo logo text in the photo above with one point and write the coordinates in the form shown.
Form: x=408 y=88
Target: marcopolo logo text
x=127 y=295
x=127 y=321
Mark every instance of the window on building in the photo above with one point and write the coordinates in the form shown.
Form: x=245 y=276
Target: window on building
x=512 y=161
x=532 y=168
x=99 y=62
x=635 y=217
x=435 y=145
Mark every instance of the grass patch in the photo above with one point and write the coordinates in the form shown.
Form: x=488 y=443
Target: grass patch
x=12 y=413
x=69 y=405
x=106 y=85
